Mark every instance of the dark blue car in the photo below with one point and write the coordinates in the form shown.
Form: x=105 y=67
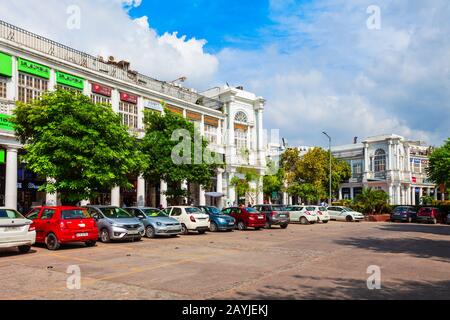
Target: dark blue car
x=219 y=221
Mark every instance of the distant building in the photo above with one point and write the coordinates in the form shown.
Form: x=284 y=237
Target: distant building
x=390 y=163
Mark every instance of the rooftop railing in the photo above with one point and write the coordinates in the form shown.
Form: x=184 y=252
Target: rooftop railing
x=33 y=41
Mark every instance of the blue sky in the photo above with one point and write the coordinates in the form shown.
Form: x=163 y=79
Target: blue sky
x=222 y=23
x=317 y=63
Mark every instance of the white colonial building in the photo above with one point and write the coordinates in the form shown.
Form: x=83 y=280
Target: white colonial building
x=390 y=163
x=230 y=118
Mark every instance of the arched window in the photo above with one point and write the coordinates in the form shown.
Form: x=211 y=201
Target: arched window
x=241 y=130
x=241 y=117
x=380 y=161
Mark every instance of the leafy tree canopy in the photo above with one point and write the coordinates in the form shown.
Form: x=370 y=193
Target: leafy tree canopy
x=158 y=145
x=80 y=146
x=439 y=166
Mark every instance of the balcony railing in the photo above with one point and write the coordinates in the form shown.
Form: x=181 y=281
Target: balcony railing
x=60 y=51
x=6 y=107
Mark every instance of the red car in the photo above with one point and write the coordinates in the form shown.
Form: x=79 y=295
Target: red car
x=428 y=214
x=246 y=217
x=59 y=225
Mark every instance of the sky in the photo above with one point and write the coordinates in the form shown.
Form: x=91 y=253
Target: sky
x=353 y=68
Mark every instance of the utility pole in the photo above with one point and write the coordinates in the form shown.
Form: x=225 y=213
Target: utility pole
x=329 y=149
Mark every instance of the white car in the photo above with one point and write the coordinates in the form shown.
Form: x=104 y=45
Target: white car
x=344 y=214
x=16 y=231
x=322 y=213
x=302 y=214
x=191 y=218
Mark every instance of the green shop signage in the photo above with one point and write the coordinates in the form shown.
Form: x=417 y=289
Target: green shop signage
x=5 y=65
x=69 y=80
x=33 y=68
x=5 y=123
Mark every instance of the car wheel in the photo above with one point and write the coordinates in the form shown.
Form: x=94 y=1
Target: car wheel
x=325 y=221
x=150 y=232
x=51 y=241
x=268 y=225
x=24 y=249
x=184 y=230
x=104 y=236
x=349 y=218
x=201 y=231
x=90 y=243
x=138 y=239
x=241 y=226
x=213 y=227
x=304 y=221
x=284 y=226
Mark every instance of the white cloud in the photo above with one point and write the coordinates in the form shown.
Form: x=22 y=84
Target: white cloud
x=106 y=29
x=324 y=70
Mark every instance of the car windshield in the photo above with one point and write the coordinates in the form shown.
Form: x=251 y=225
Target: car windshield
x=252 y=210
x=153 y=213
x=279 y=208
x=75 y=214
x=192 y=210
x=115 y=213
x=347 y=210
x=310 y=208
x=323 y=209
x=401 y=209
x=10 y=214
x=214 y=210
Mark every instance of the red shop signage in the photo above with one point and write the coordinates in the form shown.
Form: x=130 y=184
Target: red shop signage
x=126 y=97
x=414 y=179
x=103 y=90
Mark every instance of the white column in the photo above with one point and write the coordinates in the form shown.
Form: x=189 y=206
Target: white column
x=163 y=197
x=290 y=200
x=115 y=197
x=260 y=194
x=420 y=195
x=340 y=193
x=435 y=194
x=202 y=196
x=231 y=190
x=140 y=191
x=397 y=195
x=351 y=193
x=11 y=179
x=219 y=187
x=391 y=195
x=413 y=196
x=443 y=196
x=51 y=199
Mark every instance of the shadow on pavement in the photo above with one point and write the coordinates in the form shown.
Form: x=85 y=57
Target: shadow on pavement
x=354 y=289
x=421 y=228
x=417 y=247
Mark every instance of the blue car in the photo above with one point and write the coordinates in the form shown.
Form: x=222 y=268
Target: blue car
x=219 y=221
x=156 y=222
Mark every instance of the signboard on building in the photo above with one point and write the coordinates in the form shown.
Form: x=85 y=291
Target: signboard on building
x=69 y=80
x=150 y=104
x=130 y=98
x=5 y=123
x=102 y=90
x=2 y=156
x=5 y=65
x=33 y=68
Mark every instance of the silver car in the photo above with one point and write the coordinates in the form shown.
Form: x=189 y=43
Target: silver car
x=116 y=224
x=16 y=231
x=156 y=223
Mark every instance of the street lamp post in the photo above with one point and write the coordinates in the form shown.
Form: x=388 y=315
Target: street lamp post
x=329 y=149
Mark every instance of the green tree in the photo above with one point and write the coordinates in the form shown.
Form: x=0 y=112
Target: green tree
x=372 y=201
x=80 y=146
x=273 y=182
x=161 y=143
x=439 y=166
x=312 y=169
x=248 y=185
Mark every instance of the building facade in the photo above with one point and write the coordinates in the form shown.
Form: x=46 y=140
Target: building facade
x=230 y=118
x=389 y=163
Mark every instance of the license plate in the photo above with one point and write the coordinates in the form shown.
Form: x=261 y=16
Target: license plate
x=133 y=232
x=231 y=224
x=79 y=235
x=282 y=216
x=260 y=218
x=11 y=229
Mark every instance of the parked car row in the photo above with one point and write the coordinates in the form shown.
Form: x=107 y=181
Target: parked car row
x=54 y=226
x=425 y=214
